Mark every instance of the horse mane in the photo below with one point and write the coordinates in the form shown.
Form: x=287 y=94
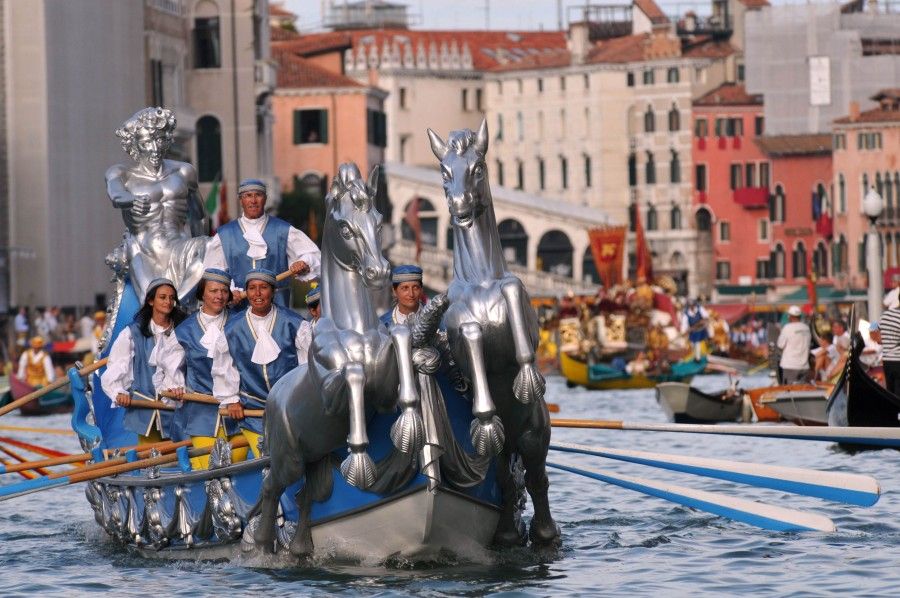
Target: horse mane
x=460 y=141
x=350 y=181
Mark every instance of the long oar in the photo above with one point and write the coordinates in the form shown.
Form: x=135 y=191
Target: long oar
x=34 y=448
x=106 y=469
x=247 y=412
x=211 y=400
x=769 y=517
x=847 y=488
x=25 y=474
x=63 y=381
x=21 y=459
x=31 y=430
x=849 y=435
x=83 y=457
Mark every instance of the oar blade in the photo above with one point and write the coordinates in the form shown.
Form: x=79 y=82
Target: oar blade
x=848 y=488
x=29 y=486
x=753 y=513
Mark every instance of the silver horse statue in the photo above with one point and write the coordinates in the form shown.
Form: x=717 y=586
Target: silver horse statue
x=354 y=365
x=490 y=314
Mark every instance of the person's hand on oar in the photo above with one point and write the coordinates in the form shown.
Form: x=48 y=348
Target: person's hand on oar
x=123 y=399
x=235 y=411
x=299 y=268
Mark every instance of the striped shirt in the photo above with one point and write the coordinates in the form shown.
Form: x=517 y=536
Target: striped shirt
x=889 y=324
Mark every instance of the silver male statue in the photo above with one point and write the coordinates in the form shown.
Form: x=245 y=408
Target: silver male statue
x=164 y=215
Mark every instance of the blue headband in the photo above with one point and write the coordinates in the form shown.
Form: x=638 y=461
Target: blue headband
x=155 y=284
x=406 y=273
x=262 y=274
x=216 y=275
x=313 y=296
x=251 y=185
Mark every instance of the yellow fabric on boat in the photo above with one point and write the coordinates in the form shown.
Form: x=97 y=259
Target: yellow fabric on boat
x=202 y=462
x=153 y=436
x=252 y=440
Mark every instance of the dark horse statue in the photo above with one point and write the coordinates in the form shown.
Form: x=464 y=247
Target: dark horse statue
x=490 y=314
x=354 y=365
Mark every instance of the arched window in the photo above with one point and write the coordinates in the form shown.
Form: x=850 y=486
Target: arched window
x=498 y=169
x=520 y=175
x=652 y=219
x=542 y=174
x=650 y=169
x=675 y=218
x=520 y=126
x=776 y=204
x=776 y=259
x=632 y=217
x=798 y=260
x=207 y=47
x=674 y=119
x=820 y=260
x=704 y=220
x=889 y=196
x=428 y=217
x=632 y=170
x=674 y=168
x=865 y=185
x=649 y=120
x=499 y=127
x=839 y=255
x=555 y=253
x=589 y=268
x=842 y=194
x=514 y=241
x=879 y=186
x=209 y=149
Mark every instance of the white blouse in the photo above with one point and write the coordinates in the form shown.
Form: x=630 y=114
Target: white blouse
x=119 y=374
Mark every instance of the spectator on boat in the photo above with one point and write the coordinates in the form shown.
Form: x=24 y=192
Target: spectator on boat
x=568 y=307
x=260 y=345
x=259 y=241
x=35 y=365
x=695 y=323
x=40 y=324
x=719 y=333
x=306 y=327
x=841 y=334
x=827 y=357
x=406 y=281
x=97 y=332
x=135 y=372
x=21 y=327
x=889 y=325
x=794 y=342
x=189 y=367
x=85 y=324
x=871 y=353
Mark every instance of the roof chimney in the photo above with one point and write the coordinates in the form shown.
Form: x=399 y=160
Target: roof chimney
x=854 y=111
x=579 y=42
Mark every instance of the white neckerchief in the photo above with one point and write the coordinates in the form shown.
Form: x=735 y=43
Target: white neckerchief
x=398 y=317
x=266 y=349
x=36 y=356
x=212 y=329
x=252 y=230
x=161 y=337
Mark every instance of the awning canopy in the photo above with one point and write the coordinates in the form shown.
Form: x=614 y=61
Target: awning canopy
x=742 y=290
x=732 y=312
x=824 y=294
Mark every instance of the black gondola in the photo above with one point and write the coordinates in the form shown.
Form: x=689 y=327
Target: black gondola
x=857 y=399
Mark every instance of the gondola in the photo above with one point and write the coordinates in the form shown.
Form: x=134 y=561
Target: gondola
x=601 y=376
x=684 y=404
x=857 y=399
x=55 y=401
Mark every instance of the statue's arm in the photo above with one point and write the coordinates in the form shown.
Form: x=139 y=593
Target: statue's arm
x=198 y=219
x=120 y=196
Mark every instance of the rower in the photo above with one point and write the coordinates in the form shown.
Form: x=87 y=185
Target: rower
x=35 y=366
x=260 y=345
x=133 y=370
x=189 y=367
x=306 y=327
x=406 y=280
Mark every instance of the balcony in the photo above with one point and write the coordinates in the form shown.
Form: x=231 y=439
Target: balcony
x=752 y=197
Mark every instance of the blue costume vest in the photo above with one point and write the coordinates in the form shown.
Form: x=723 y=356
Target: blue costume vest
x=695 y=336
x=235 y=247
x=257 y=380
x=140 y=420
x=197 y=419
x=387 y=318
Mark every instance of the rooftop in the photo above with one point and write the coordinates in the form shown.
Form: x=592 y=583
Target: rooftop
x=888 y=109
x=295 y=72
x=788 y=145
x=729 y=94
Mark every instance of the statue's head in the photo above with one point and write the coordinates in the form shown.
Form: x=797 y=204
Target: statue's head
x=147 y=135
x=464 y=172
x=353 y=225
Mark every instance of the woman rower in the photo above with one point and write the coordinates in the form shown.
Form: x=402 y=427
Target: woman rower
x=132 y=372
x=189 y=365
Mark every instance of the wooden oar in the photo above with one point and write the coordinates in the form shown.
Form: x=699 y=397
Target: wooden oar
x=21 y=459
x=25 y=474
x=848 y=435
x=83 y=457
x=63 y=381
x=847 y=488
x=59 y=431
x=194 y=397
x=769 y=517
x=145 y=404
x=105 y=469
x=34 y=448
x=283 y=275
x=247 y=412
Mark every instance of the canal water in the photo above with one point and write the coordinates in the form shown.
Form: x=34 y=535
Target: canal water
x=615 y=541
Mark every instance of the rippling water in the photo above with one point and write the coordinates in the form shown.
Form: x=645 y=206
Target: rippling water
x=615 y=541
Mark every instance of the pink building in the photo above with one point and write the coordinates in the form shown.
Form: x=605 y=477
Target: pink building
x=866 y=156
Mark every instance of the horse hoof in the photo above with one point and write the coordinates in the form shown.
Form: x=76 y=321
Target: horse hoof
x=358 y=469
x=529 y=385
x=487 y=436
x=511 y=537
x=408 y=432
x=301 y=544
x=544 y=533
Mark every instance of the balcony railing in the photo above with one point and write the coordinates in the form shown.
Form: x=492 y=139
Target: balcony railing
x=752 y=197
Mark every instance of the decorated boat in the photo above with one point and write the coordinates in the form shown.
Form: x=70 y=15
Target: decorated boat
x=605 y=376
x=684 y=404
x=55 y=401
x=857 y=399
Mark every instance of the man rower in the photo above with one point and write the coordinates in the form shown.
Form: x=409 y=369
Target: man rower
x=306 y=327
x=189 y=367
x=259 y=241
x=35 y=366
x=406 y=281
x=134 y=369
x=259 y=346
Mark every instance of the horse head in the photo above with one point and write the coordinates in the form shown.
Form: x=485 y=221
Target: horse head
x=353 y=225
x=464 y=172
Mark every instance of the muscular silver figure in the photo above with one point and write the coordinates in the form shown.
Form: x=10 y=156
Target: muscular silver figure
x=164 y=215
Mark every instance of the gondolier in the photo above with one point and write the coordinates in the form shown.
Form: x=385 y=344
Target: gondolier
x=889 y=326
x=260 y=345
x=133 y=371
x=257 y=240
x=189 y=367
x=35 y=366
x=406 y=280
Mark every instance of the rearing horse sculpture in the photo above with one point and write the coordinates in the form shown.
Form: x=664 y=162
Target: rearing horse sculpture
x=490 y=314
x=354 y=365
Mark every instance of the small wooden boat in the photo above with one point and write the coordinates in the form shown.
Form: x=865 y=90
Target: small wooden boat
x=601 y=376
x=763 y=398
x=684 y=404
x=857 y=399
x=55 y=401
x=804 y=407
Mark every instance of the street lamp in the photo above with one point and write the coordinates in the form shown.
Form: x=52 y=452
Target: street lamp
x=872 y=206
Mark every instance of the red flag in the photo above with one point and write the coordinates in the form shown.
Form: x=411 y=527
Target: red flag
x=644 y=266
x=810 y=307
x=223 y=204
x=411 y=217
x=607 y=247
